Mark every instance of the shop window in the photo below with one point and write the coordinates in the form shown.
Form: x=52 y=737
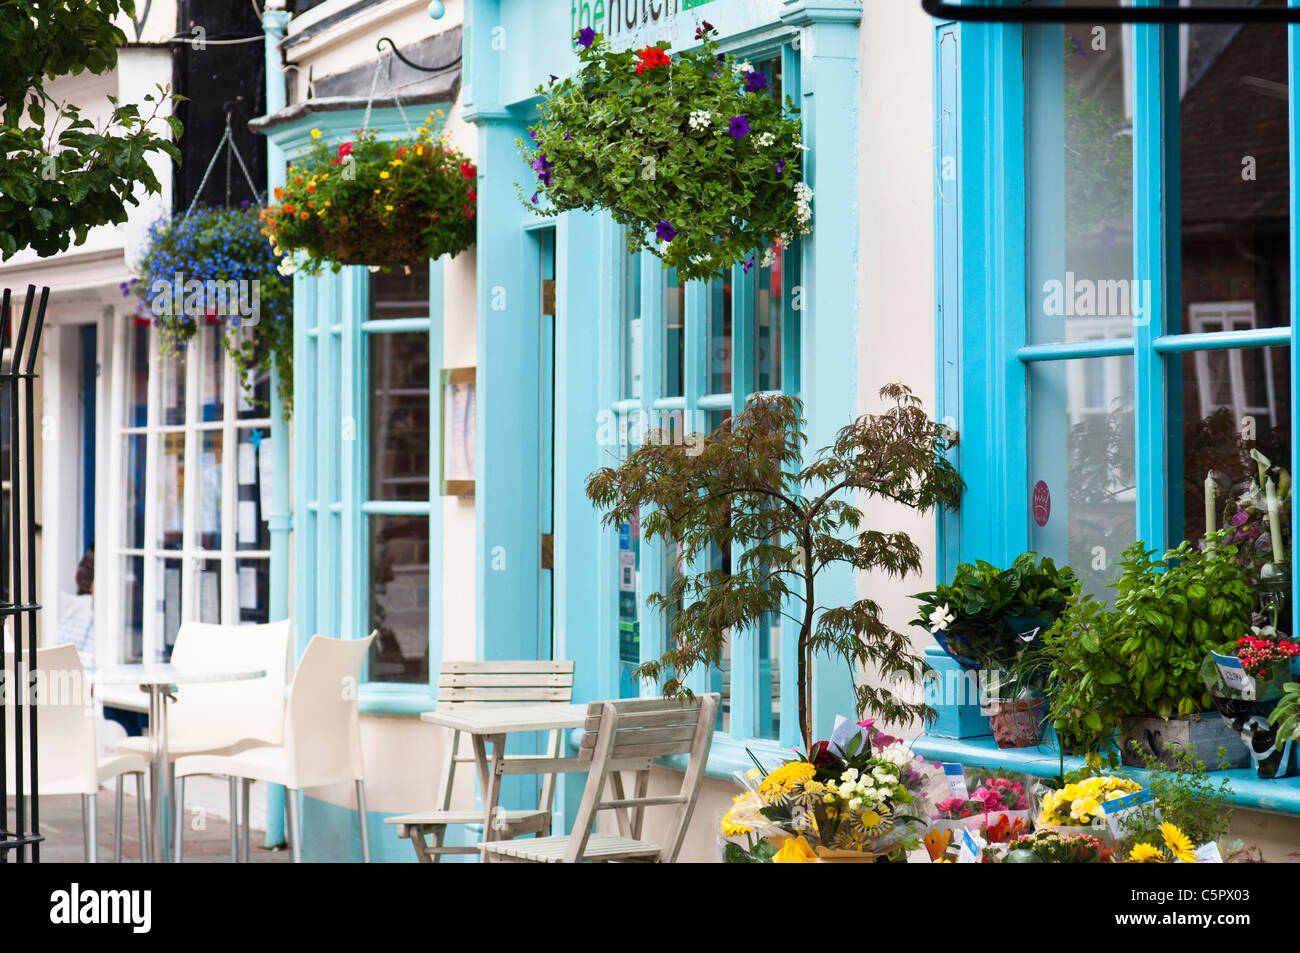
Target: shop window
x=397 y=496
x=192 y=542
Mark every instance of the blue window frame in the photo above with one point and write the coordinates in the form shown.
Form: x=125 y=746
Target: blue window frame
x=1027 y=120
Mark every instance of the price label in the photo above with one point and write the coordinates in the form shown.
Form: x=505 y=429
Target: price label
x=1118 y=808
x=1234 y=675
x=956 y=780
x=972 y=846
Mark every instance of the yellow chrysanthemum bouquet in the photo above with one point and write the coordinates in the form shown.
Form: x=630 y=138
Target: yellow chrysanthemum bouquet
x=858 y=804
x=1081 y=804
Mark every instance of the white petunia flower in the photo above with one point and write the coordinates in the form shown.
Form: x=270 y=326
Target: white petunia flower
x=766 y=139
x=700 y=119
x=745 y=67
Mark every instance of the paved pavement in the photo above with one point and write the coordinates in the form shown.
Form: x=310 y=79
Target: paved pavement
x=61 y=825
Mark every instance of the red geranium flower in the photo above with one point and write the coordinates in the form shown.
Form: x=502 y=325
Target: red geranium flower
x=467 y=170
x=651 y=57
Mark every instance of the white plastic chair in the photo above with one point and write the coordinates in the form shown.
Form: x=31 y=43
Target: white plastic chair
x=225 y=717
x=322 y=739
x=68 y=760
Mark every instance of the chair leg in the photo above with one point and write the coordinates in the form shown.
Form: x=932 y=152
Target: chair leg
x=361 y=817
x=88 y=817
x=143 y=811
x=178 y=808
x=117 y=821
x=295 y=823
x=248 y=822
x=234 y=819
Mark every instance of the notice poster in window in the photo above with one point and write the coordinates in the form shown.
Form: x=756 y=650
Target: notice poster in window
x=247 y=464
x=247 y=587
x=264 y=474
x=458 y=431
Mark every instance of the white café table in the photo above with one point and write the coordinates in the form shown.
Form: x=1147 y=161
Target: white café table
x=158 y=678
x=491 y=724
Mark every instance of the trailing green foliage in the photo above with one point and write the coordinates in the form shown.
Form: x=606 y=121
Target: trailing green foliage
x=1287 y=714
x=1185 y=796
x=747 y=488
x=59 y=175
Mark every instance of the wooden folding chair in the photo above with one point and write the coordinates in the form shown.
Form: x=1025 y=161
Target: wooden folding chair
x=488 y=684
x=627 y=735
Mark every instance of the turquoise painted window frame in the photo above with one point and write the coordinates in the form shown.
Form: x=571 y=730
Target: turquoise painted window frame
x=981 y=321
x=329 y=552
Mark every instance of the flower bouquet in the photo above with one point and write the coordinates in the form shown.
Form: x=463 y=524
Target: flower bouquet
x=1052 y=847
x=997 y=804
x=691 y=151
x=834 y=805
x=1177 y=847
x=1246 y=682
x=1078 y=807
x=376 y=202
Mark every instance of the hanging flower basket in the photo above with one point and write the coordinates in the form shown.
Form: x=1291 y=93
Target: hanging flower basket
x=213 y=266
x=377 y=202
x=692 y=152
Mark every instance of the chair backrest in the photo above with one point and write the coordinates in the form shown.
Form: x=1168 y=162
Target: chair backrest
x=322 y=728
x=521 y=682
x=67 y=757
x=221 y=713
x=627 y=735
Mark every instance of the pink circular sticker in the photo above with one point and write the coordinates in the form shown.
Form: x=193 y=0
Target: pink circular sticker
x=1042 y=503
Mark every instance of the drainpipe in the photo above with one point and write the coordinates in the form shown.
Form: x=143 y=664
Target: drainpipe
x=274 y=24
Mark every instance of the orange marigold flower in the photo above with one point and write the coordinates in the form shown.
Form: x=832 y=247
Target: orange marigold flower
x=305 y=215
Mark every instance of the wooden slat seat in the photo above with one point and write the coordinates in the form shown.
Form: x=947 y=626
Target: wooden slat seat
x=472 y=685
x=627 y=735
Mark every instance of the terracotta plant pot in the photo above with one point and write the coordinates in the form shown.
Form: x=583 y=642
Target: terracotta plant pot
x=1016 y=724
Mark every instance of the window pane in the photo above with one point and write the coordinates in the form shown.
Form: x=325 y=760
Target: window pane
x=253 y=401
x=1235 y=179
x=207 y=588
x=719 y=341
x=398 y=295
x=133 y=609
x=137 y=392
x=768 y=324
x=630 y=329
x=1081 y=466
x=1235 y=402
x=399 y=416
x=1079 y=153
x=171 y=373
x=253 y=585
x=629 y=606
x=171 y=490
x=210 y=456
x=674 y=368
x=250 y=520
x=719 y=560
x=134 y=448
x=212 y=386
x=399 y=598
x=169 y=602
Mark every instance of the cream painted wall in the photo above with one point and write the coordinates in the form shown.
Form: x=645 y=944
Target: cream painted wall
x=896 y=255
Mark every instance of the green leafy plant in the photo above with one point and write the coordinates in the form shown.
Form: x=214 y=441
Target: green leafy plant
x=372 y=201
x=215 y=267
x=1186 y=796
x=59 y=174
x=747 y=486
x=1286 y=716
x=692 y=152
x=1143 y=657
x=987 y=616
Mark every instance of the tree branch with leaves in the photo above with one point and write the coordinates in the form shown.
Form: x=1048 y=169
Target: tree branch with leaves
x=747 y=490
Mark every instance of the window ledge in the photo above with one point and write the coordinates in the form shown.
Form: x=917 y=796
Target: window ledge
x=1275 y=796
x=380 y=699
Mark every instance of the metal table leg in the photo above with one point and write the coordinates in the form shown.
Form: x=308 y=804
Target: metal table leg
x=159 y=794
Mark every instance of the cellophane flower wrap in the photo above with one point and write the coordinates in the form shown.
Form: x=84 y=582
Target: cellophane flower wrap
x=998 y=806
x=866 y=801
x=692 y=151
x=1054 y=847
x=1078 y=806
x=373 y=201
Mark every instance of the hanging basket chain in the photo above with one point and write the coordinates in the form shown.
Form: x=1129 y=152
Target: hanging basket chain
x=226 y=141
x=397 y=100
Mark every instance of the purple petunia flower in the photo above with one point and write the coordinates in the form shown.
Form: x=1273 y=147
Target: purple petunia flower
x=586 y=36
x=739 y=127
x=532 y=135
x=749 y=263
x=535 y=194
x=755 y=82
x=665 y=232
x=543 y=166
x=722 y=57
x=780 y=167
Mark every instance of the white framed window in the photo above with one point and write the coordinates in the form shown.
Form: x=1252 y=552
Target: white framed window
x=1240 y=380
x=191 y=445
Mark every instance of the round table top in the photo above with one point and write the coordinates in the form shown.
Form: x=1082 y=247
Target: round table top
x=165 y=673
